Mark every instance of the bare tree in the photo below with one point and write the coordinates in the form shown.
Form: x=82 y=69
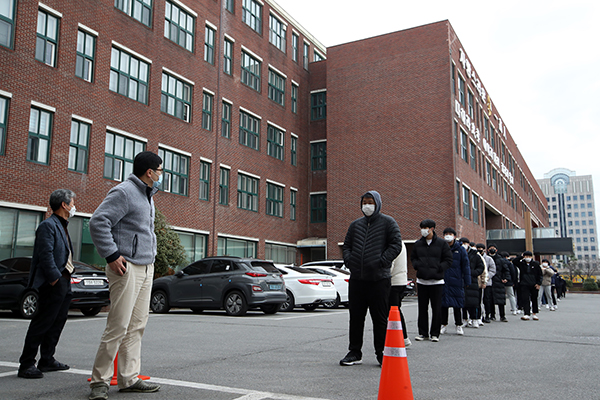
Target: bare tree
x=572 y=266
x=588 y=268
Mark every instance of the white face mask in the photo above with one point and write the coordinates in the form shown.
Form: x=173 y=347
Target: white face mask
x=545 y=264
x=449 y=238
x=474 y=248
x=424 y=232
x=368 y=209
x=72 y=212
x=466 y=246
x=527 y=259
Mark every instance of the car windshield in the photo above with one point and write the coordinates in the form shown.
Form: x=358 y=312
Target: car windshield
x=84 y=267
x=263 y=266
x=302 y=270
x=341 y=271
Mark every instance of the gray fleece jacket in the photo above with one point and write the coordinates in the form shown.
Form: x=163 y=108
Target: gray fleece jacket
x=123 y=224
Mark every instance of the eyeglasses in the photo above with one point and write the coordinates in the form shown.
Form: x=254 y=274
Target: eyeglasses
x=158 y=169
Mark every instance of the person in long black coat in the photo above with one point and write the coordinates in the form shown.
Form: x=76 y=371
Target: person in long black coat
x=502 y=276
x=473 y=291
x=456 y=278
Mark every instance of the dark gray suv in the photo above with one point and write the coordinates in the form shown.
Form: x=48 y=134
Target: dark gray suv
x=231 y=283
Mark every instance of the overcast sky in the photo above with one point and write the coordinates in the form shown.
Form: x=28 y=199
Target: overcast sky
x=539 y=61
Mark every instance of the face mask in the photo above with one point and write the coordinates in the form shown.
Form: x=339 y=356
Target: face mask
x=425 y=232
x=480 y=251
x=449 y=238
x=368 y=209
x=492 y=252
x=157 y=183
x=466 y=246
x=474 y=248
x=545 y=264
x=527 y=259
x=72 y=212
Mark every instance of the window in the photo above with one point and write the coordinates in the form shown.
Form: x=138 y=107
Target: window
x=274 y=200
x=18 y=232
x=179 y=26
x=207 y=106
x=227 y=56
x=78 y=149
x=588 y=197
x=589 y=205
x=224 y=186
x=3 y=122
x=294 y=150
x=464 y=151
x=277 y=32
x=276 y=87
x=473 y=157
x=140 y=10
x=84 y=63
x=7 y=21
x=204 y=180
x=40 y=132
x=576 y=214
x=583 y=222
x=249 y=130
x=318 y=208
x=250 y=71
x=570 y=231
x=466 y=205
x=229 y=5
x=580 y=197
x=280 y=253
x=293 y=194
x=318 y=156
x=461 y=90
x=47 y=38
x=119 y=152
x=176 y=97
x=455 y=133
x=471 y=101
x=252 y=14
x=475 y=209
x=494 y=179
x=194 y=245
x=247 y=192
x=294 y=98
x=590 y=214
x=236 y=247
x=209 y=45
x=317 y=56
x=129 y=76
x=584 y=231
x=453 y=79
x=275 y=142
x=305 y=55
x=458 y=202
x=295 y=42
x=318 y=104
x=175 y=171
x=226 y=120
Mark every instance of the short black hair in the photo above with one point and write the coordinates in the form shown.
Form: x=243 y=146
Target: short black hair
x=427 y=223
x=464 y=240
x=60 y=196
x=144 y=161
x=450 y=230
x=480 y=246
x=544 y=260
x=504 y=254
x=527 y=253
x=472 y=244
x=492 y=245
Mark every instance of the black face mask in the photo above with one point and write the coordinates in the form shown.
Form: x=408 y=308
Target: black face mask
x=492 y=252
x=480 y=251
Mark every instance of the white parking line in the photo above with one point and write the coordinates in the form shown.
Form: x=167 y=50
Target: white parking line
x=311 y=315
x=246 y=393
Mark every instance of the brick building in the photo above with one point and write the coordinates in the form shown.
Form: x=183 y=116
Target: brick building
x=266 y=145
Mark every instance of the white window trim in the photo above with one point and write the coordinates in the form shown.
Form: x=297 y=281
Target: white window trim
x=295 y=83
x=208 y=91
x=293 y=188
x=124 y=133
x=133 y=53
x=43 y=106
x=225 y=166
x=190 y=230
x=208 y=160
x=276 y=183
x=277 y=71
x=281 y=20
x=294 y=135
x=228 y=236
x=82 y=119
x=319 y=53
x=88 y=30
x=6 y=94
x=211 y=25
x=315 y=193
x=250 y=112
x=248 y=173
x=186 y=8
x=253 y=54
x=176 y=75
x=294 y=245
x=176 y=150
x=318 y=141
x=50 y=10
x=229 y=38
x=318 y=91
x=20 y=206
x=275 y=125
x=227 y=100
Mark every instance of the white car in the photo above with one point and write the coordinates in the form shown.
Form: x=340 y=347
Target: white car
x=306 y=288
x=340 y=280
x=326 y=263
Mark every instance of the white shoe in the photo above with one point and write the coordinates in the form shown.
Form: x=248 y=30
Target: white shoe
x=459 y=330
x=535 y=317
x=407 y=342
x=420 y=338
x=480 y=322
x=552 y=308
x=469 y=323
x=525 y=317
x=519 y=311
x=435 y=339
x=475 y=324
x=513 y=312
x=547 y=306
x=444 y=329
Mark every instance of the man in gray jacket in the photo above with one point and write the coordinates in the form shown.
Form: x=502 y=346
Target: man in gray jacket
x=122 y=229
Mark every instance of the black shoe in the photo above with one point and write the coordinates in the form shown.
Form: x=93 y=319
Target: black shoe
x=503 y=319
x=350 y=359
x=493 y=318
x=142 y=387
x=30 y=373
x=487 y=320
x=380 y=359
x=54 y=366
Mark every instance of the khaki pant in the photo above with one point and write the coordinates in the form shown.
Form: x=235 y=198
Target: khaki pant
x=127 y=318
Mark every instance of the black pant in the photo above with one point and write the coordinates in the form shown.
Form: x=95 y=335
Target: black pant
x=427 y=294
x=529 y=296
x=374 y=296
x=457 y=315
x=47 y=325
x=488 y=302
x=396 y=293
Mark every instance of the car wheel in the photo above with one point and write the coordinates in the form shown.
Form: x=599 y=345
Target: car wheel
x=310 y=307
x=235 y=304
x=90 y=311
x=159 y=303
x=332 y=304
x=28 y=306
x=270 y=308
x=197 y=310
x=288 y=304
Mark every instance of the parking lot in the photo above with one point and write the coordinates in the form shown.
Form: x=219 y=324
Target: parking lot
x=295 y=356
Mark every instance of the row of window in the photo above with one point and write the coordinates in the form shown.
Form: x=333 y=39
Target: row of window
x=575 y=206
x=575 y=214
x=568 y=198
x=585 y=239
x=584 y=231
x=586 y=248
x=583 y=223
x=469 y=205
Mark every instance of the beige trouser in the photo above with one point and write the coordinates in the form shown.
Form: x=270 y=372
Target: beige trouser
x=127 y=318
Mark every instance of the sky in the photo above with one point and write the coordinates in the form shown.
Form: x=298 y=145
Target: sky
x=538 y=60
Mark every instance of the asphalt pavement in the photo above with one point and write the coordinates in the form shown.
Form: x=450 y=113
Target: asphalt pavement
x=292 y=356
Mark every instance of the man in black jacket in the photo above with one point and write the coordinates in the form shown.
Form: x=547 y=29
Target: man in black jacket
x=372 y=243
x=431 y=257
x=530 y=279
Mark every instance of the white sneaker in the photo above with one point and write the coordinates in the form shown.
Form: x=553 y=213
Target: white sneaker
x=525 y=317
x=513 y=312
x=552 y=308
x=480 y=322
x=435 y=339
x=444 y=329
x=547 y=306
x=475 y=324
x=519 y=311
x=535 y=317
x=459 y=330
x=469 y=323
x=420 y=338
x=407 y=342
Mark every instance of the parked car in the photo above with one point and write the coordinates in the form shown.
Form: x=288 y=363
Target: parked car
x=89 y=285
x=340 y=279
x=306 y=288
x=231 y=283
x=410 y=289
x=326 y=263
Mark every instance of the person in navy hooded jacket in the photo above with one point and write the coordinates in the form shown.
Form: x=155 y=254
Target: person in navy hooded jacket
x=371 y=244
x=456 y=278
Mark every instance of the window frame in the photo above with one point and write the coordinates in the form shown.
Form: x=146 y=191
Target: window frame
x=251 y=71
x=180 y=101
x=249 y=137
x=294 y=97
x=318 y=156
x=275 y=142
x=170 y=173
x=34 y=137
x=208 y=100
x=295 y=46
x=227 y=56
x=130 y=11
x=226 y=120
x=42 y=38
x=466 y=198
x=305 y=53
x=127 y=77
x=252 y=15
x=277 y=33
x=274 y=200
x=204 y=178
x=4 y=109
x=294 y=150
x=224 y=174
x=293 y=200
x=318 y=208
x=137 y=146
x=318 y=106
x=81 y=150
x=277 y=84
x=247 y=199
x=10 y=21
x=84 y=56
x=210 y=35
x=170 y=26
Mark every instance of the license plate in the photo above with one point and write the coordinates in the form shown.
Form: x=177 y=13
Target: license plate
x=326 y=284
x=93 y=282
x=275 y=287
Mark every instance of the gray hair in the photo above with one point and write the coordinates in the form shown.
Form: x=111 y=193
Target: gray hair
x=60 y=196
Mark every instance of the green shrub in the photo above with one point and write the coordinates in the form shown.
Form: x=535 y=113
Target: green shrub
x=590 y=285
x=569 y=283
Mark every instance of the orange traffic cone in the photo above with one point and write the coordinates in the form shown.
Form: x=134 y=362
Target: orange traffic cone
x=395 y=378
x=113 y=380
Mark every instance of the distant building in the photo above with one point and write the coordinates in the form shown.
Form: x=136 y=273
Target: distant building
x=572 y=210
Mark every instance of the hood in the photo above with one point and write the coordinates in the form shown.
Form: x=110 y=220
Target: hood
x=377 y=198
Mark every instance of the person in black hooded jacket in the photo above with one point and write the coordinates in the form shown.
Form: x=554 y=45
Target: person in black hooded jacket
x=371 y=244
x=431 y=257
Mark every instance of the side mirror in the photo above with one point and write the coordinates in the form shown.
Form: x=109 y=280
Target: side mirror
x=179 y=274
